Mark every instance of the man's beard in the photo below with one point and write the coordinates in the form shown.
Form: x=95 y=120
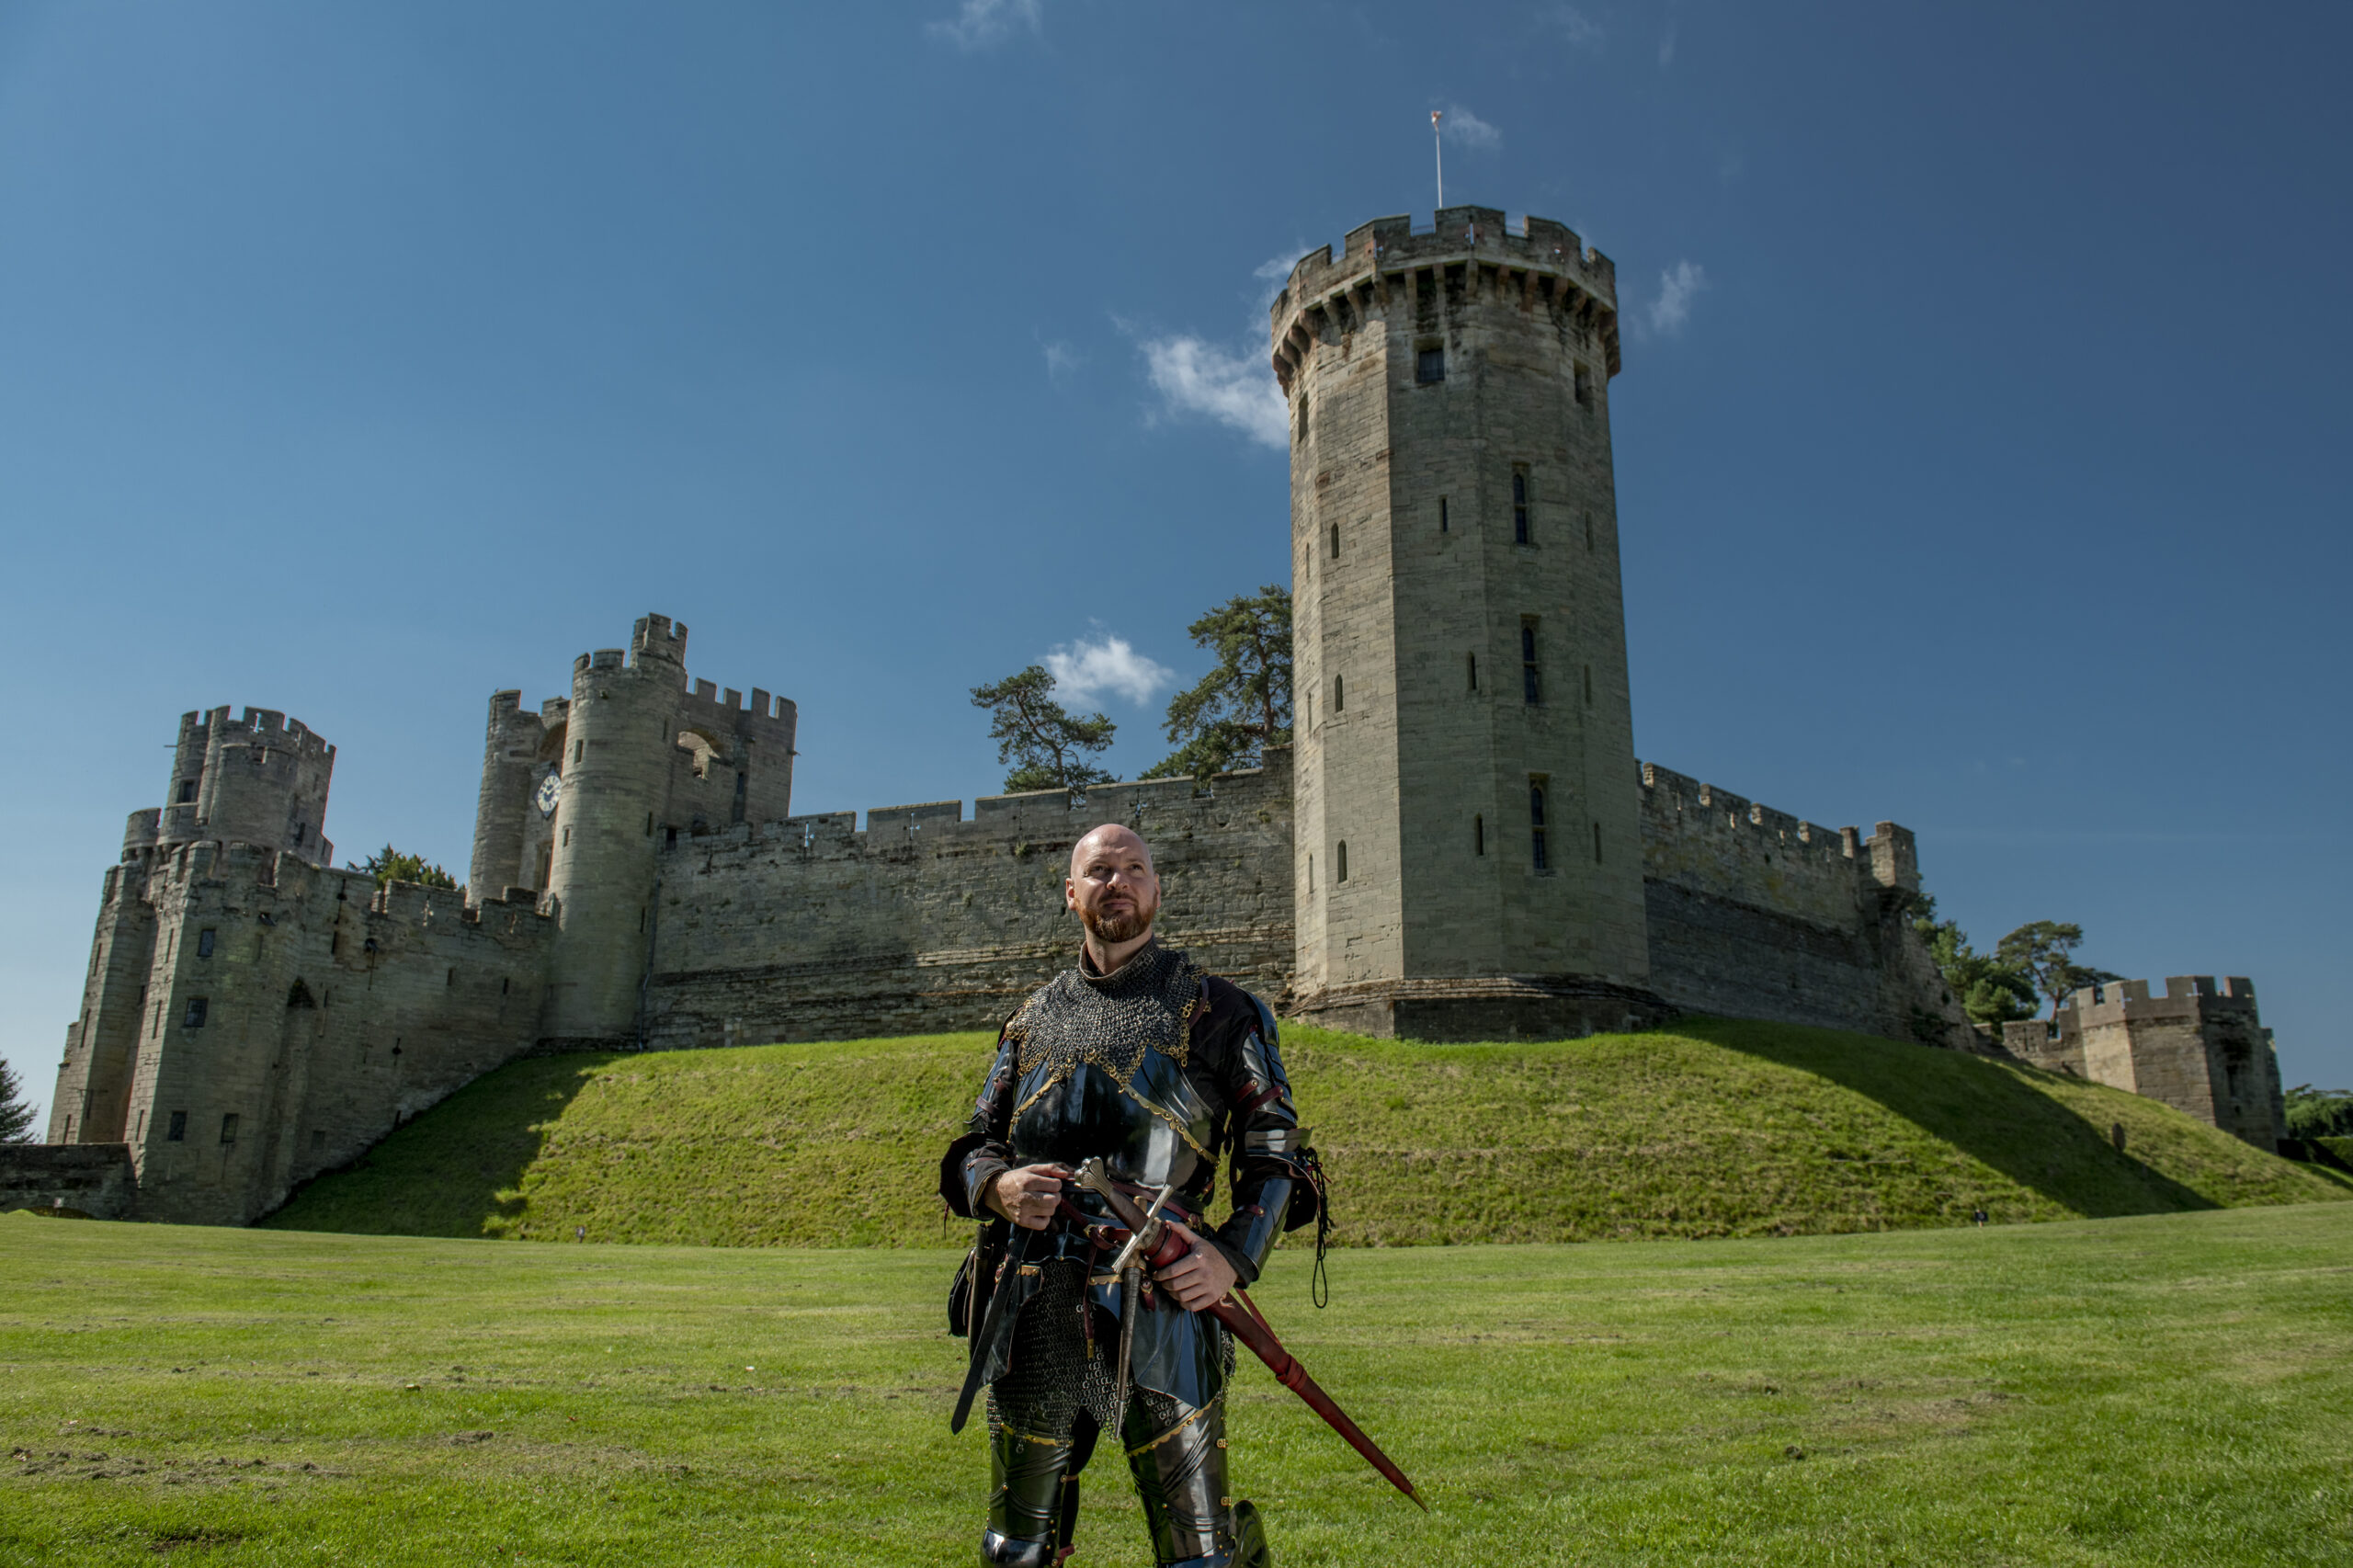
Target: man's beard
x=1113 y=929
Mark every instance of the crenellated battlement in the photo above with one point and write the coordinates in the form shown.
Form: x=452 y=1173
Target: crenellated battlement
x=2185 y=994
x=705 y=700
x=1539 y=264
x=658 y=637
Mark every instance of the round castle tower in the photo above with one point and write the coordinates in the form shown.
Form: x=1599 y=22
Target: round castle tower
x=261 y=779
x=1468 y=859
x=642 y=757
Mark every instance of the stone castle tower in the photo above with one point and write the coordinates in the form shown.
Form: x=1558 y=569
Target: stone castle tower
x=1469 y=861
x=579 y=799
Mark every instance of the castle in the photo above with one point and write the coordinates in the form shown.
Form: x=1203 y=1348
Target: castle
x=1460 y=843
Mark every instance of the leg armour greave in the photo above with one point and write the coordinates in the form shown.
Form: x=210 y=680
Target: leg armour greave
x=1178 y=1453
x=1026 y=1501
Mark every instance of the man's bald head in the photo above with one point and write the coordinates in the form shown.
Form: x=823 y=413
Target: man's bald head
x=1112 y=887
x=1114 y=840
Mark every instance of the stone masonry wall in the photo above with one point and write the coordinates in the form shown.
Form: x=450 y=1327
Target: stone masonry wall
x=92 y=1180
x=294 y=1014
x=2199 y=1048
x=1755 y=914
x=808 y=929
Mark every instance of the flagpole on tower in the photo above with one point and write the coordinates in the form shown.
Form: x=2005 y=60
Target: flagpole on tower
x=1440 y=151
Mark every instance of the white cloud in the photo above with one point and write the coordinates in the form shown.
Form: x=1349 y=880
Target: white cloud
x=1581 y=30
x=1677 y=286
x=980 y=23
x=1060 y=359
x=1667 y=48
x=1085 y=669
x=1460 y=125
x=1195 y=376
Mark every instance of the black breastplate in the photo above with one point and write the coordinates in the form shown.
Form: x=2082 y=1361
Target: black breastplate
x=1102 y=1072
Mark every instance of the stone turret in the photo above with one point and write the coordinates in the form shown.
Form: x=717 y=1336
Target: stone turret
x=643 y=758
x=259 y=779
x=2199 y=1048
x=1468 y=857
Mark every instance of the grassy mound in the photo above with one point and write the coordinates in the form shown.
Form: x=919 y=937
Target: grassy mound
x=1712 y=1129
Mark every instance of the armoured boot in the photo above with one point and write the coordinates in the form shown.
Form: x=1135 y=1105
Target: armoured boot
x=1025 y=1504
x=1180 y=1479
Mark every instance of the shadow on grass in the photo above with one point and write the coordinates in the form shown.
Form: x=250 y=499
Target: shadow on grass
x=454 y=1170
x=1991 y=1110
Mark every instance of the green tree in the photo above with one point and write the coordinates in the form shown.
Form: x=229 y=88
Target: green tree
x=2319 y=1113
x=1242 y=707
x=391 y=864
x=1992 y=991
x=16 y=1111
x=1049 y=746
x=2043 y=950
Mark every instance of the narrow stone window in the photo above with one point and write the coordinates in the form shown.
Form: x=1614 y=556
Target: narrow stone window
x=194 y=1018
x=1335 y=541
x=567 y=836
x=229 y=1127
x=579 y=749
x=1597 y=844
x=641 y=923
x=1310 y=873
x=68 y=1129
x=1530 y=687
x=1474 y=672
x=1340 y=698
x=318 y=1139
x=669 y=837
x=178 y=1131
x=299 y=829
x=1588 y=533
x=1429 y=366
x=649 y=824
x=450 y=980
x=204 y=943
x=504 y=985
x=1441 y=514
x=1340 y=861
x=1303 y=418
x=1585 y=386
x=1519 y=504
x=188 y=792
x=1479 y=834
x=1536 y=824
x=1588 y=686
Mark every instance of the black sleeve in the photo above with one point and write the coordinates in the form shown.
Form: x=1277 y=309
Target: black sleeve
x=985 y=1150
x=1272 y=1194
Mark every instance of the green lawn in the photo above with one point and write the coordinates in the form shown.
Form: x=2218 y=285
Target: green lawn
x=1710 y=1128
x=2176 y=1389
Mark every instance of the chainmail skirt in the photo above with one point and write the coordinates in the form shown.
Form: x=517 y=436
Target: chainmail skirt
x=1053 y=1377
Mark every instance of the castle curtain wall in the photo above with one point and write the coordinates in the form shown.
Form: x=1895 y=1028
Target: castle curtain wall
x=807 y=930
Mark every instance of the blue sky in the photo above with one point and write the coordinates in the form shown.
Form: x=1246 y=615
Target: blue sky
x=1980 y=444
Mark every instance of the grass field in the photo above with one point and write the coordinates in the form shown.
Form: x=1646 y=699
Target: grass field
x=2169 y=1389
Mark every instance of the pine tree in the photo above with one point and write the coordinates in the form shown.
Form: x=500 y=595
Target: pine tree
x=1049 y=746
x=16 y=1111
x=1242 y=707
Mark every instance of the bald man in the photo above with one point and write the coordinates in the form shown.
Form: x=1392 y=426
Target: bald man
x=1139 y=1057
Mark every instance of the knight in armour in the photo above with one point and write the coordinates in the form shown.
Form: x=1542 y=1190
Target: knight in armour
x=1140 y=1060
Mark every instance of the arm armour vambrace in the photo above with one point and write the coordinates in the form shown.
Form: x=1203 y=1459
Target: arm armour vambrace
x=985 y=1152
x=1270 y=1192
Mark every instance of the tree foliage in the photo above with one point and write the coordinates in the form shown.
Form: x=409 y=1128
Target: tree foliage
x=2319 y=1113
x=2005 y=985
x=1232 y=715
x=2044 y=951
x=16 y=1111
x=391 y=864
x=1049 y=746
